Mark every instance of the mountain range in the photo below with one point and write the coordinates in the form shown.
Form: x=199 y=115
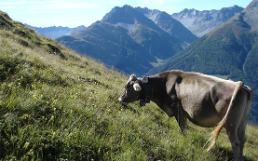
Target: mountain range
x=192 y=23
x=202 y=22
x=230 y=51
x=55 y=32
x=126 y=39
x=134 y=40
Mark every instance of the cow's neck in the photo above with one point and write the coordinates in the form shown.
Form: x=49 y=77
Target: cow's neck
x=157 y=93
x=155 y=90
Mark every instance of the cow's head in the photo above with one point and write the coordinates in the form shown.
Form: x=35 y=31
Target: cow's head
x=133 y=91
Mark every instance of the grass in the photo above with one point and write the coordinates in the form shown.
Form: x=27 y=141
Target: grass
x=58 y=105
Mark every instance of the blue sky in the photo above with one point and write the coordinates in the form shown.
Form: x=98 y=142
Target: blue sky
x=72 y=13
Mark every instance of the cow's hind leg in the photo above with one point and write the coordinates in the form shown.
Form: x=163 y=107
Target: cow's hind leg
x=242 y=127
x=242 y=137
x=235 y=127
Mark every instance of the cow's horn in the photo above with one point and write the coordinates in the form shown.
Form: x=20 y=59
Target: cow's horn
x=137 y=87
x=133 y=77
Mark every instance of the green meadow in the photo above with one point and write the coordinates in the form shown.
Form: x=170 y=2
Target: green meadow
x=61 y=106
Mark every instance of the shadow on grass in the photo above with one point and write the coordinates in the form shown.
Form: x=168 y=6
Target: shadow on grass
x=225 y=154
x=129 y=108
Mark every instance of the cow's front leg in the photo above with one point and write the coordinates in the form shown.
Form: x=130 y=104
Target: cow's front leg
x=182 y=121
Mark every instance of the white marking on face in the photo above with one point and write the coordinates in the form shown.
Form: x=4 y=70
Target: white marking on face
x=137 y=87
x=121 y=101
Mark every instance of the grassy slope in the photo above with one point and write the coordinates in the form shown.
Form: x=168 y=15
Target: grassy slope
x=56 y=105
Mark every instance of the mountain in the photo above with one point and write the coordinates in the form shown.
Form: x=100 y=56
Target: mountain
x=202 y=22
x=146 y=33
x=230 y=51
x=126 y=39
x=112 y=45
x=169 y=24
x=55 y=32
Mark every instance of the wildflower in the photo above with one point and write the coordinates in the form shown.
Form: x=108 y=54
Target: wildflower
x=52 y=118
x=26 y=145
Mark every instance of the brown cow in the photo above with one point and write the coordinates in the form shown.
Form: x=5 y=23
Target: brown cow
x=205 y=100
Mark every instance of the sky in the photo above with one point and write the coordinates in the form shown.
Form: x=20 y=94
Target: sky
x=73 y=13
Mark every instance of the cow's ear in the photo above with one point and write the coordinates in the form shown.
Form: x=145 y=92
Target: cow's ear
x=137 y=87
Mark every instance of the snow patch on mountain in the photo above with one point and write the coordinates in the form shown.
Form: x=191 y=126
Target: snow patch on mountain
x=129 y=27
x=153 y=16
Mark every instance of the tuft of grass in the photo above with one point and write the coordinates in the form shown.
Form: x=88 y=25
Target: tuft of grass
x=64 y=107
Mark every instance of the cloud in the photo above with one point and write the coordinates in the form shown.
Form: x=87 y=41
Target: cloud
x=153 y=2
x=16 y=3
x=12 y=3
x=47 y=5
x=62 y=21
x=161 y=2
x=116 y=3
x=70 y=5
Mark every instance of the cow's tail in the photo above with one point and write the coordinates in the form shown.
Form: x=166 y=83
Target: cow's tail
x=215 y=133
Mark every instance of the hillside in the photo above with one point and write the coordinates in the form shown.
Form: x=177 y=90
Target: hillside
x=58 y=105
x=126 y=39
x=229 y=51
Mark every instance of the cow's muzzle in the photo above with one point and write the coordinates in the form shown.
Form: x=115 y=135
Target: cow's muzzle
x=121 y=101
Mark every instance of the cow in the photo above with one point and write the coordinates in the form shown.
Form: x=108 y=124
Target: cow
x=205 y=100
